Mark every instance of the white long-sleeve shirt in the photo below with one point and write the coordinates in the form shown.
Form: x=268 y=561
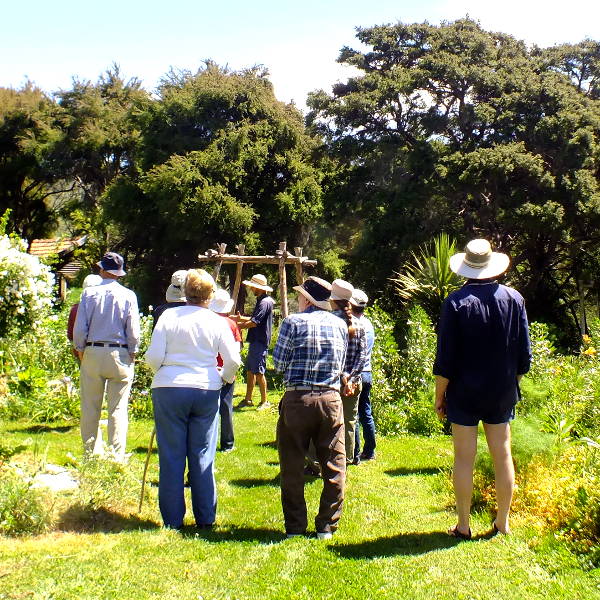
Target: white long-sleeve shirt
x=184 y=347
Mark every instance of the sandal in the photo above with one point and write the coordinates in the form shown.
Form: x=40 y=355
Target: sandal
x=456 y=533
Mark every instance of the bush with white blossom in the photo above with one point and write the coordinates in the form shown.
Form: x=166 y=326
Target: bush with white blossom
x=25 y=288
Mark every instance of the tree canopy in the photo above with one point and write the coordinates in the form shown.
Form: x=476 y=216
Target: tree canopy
x=453 y=128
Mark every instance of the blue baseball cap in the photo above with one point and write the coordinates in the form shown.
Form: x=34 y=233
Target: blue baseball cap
x=112 y=263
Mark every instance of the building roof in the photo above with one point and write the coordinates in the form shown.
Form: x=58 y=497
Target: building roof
x=43 y=248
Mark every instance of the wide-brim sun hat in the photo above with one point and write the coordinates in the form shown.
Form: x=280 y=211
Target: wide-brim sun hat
x=222 y=302
x=478 y=261
x=359 y=298
x=112 y=263
x=176 y=290
x=316 y=291
x=259 y=282
x=341 y=290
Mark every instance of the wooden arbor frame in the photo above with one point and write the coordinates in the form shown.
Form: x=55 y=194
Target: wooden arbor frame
x=281 y=258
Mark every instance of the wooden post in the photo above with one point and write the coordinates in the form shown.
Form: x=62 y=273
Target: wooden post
x=282 y=280
x=238 y=278
x=221 y=248
x=298 y=266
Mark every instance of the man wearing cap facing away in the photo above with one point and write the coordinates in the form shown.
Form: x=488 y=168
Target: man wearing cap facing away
x=259 y=325
x=106 y=336
x=311 y=353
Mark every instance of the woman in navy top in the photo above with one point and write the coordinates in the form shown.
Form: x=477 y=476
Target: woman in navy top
x=483 y=351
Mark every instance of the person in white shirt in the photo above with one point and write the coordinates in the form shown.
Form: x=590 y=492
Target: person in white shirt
x=185 y=394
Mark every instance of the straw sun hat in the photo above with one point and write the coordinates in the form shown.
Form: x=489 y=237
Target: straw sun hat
x=258 y=282
x=478 y=261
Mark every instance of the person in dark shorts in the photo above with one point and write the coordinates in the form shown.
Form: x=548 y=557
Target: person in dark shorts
x=259 y=325
x=483 y=351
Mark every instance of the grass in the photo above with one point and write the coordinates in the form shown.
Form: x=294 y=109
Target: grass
x=391 y=542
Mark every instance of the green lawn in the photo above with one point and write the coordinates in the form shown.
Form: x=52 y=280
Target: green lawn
x=391 y=542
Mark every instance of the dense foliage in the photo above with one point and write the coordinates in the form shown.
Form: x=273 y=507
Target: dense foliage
x=458 y=129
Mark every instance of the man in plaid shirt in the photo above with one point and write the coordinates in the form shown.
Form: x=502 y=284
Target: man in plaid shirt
x=311 y=351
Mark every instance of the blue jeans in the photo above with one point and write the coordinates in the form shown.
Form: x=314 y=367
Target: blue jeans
x=365 y=418
x=186 y=428
x=226 y=412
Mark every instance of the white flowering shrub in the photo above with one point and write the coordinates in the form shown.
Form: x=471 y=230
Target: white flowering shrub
x=25 y=288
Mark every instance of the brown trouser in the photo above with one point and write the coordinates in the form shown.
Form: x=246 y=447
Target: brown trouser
x=316 y=416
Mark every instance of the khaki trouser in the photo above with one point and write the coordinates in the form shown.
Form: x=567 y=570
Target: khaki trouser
x=110 y=368
x=350 y=404
x=306 y=416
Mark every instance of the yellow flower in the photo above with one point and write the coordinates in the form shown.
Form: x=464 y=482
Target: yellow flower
x=590 y=351
x=586 y=338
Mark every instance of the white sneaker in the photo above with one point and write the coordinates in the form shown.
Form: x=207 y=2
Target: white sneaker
x=324 y=535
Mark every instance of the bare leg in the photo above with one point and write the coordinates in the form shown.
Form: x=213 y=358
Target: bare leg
x=262 y=386
x=465 y=449
x=498 y=440
x=250 y=380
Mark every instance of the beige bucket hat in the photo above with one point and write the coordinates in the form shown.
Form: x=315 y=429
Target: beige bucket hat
x=176 y=290
x=222 y=302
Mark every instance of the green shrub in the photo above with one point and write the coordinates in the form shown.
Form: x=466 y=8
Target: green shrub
x=22 y=508
x=106 y=484
x=403 y=380
x=420 y=416
x=385 y=363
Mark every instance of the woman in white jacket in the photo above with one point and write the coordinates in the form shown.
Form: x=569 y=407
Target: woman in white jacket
x=185 y=394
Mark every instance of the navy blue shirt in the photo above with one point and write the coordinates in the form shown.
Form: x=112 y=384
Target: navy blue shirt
x=262 y=315
x=483 y=344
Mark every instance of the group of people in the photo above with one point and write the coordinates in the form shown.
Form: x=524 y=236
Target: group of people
x=323 y=352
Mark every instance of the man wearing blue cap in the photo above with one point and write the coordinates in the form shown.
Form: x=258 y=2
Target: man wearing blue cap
x=106 y=337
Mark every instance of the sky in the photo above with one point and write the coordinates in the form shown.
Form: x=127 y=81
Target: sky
x=298 y=42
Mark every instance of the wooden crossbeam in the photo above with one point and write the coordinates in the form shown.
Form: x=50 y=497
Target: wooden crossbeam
x=281 y=258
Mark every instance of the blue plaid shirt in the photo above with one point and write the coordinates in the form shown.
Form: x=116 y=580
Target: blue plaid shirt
x=357 y=354
x=311 y=349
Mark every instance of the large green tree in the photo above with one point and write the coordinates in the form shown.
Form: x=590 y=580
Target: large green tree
x=220 y=160
x=29 y=177
x=459 y=129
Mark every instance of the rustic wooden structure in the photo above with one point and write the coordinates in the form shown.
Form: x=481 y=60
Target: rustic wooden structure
x=281 y=258
x=66 y=267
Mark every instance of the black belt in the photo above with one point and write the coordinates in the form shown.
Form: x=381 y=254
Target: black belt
x=107 y=345
x=309 y=388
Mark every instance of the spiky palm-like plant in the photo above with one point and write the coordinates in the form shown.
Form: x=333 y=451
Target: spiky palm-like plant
x=426 y=278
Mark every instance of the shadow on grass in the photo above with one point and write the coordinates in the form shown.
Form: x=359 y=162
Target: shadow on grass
x=403 y=471
x=268 y=445
x=43 y=429
x=144 y=450
x=252 y=482
x=403 y=543
x=235 y=534
x=81 y=519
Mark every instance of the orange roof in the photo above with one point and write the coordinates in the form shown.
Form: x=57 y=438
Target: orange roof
x=47 y=247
